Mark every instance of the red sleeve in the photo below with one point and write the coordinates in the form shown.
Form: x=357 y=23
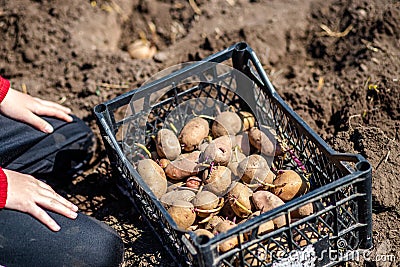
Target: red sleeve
x=3 y=188
x=4 y=86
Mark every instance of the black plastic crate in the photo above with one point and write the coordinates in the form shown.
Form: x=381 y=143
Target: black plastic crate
x=339 y=229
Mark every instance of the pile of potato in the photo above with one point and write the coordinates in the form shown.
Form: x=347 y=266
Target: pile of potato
x=214 y=174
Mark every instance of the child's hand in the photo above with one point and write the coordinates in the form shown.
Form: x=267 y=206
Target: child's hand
x=25 y=108
x=27 y=194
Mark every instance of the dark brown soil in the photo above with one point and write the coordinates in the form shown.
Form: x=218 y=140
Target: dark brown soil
x=336 y=62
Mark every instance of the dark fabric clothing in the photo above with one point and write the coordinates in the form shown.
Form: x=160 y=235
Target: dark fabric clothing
x=27 y=150
x=24 y=241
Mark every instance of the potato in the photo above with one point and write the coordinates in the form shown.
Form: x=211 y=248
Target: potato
x=303 y=211
x=182 y=212
x=205 y=200
x=181 y=169
x=218 y=151
x=289 y=185
x=192 y=156
x=223 y=226
x=163 y=163
x=167 y=144
x=248 y=120
x=193 y=133
x=218 y=180
x=174 y=185
x=234 y=163
x=214 y=221
x=263 y=141
x=232 y=242
x=239 y=199
x=254 y=169
x=153 y=175
x=170 y=197
x=193 y=182
x=265 y=201
x=184 y=166
x=141 y=49
x=264 y=228
x=226 y=123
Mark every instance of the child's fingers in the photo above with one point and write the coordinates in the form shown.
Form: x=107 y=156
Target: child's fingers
x=53 y=104
x=38 y=123
x=50 y=193
x=44 y=110
x=44 y=217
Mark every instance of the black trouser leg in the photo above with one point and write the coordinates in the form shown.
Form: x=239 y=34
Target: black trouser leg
x=24 y=241
x=27 y=150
